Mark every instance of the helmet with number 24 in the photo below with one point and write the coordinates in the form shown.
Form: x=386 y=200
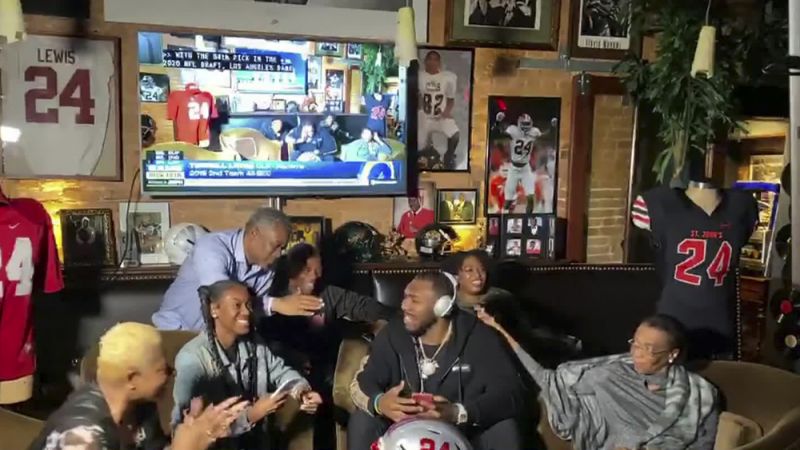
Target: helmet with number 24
x=422 y=434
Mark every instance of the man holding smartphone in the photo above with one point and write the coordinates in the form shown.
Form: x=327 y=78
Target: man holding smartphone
x=437 y=363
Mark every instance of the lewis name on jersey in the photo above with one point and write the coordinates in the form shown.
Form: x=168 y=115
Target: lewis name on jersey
x=58 y=93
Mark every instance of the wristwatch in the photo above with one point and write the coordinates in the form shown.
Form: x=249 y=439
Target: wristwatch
x=461 y=414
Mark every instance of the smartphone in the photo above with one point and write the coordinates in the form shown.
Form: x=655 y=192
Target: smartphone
x=425 y=399
x=287 y=386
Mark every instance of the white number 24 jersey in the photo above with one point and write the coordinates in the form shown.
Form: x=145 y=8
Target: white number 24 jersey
x=434 y=90
x=522 y=143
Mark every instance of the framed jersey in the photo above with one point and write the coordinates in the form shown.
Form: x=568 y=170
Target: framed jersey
x=61 y=96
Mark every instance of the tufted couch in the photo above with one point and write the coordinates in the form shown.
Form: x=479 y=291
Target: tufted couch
x=600 y=304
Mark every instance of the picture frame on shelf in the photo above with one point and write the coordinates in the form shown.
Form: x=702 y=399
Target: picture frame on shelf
x=307 y=229
x=444 y=137
x=145 y=225
x=522 y=155
x=87 y=238
x=412 y=214
x=456 y=206
x=601 y=30
x=533 y=24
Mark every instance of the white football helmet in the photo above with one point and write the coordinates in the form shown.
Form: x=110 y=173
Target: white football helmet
x=525 y=122
x=422 y=434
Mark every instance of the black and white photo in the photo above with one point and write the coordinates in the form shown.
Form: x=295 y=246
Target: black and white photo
x=445 y=104
x=523 y=14
x=354 y=51
x=513 y=247
x=523 y=154
x=604 y=24
x=153 y=87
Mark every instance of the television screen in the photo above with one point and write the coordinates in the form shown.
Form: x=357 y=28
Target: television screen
x=243 y=116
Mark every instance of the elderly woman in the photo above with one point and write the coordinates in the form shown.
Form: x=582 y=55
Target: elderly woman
x=229 y=359
x=642 y=400
x=473 y=271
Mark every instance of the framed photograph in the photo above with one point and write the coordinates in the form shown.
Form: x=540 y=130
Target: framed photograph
x=335 y=49
x=493 y=226
x=153 y=87
x=376 y=19
x=444 y=119
x=513 y=248
x=533 y=247
x=531 y=24
x=307 y=229
x=353 y=51
x=85 y=128
x=411 y=214
x=148 y=224
x=522 y=165
x=334 y=90
x=87 y=236
x=457 y=206
x=314 y=82
x=513 y=225
x=600 y=29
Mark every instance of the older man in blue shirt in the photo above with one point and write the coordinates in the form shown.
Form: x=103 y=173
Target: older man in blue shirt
x=245 y=255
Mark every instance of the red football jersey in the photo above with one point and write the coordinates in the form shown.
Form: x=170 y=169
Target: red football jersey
x=28 y=261
x=191 y=110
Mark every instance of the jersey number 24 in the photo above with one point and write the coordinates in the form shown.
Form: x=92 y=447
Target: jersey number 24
x=19 y=267
x=696 y=251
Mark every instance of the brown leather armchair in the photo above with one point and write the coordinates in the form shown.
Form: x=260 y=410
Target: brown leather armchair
x=299 y=427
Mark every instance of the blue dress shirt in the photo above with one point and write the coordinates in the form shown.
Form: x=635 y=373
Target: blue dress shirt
x=215 y=257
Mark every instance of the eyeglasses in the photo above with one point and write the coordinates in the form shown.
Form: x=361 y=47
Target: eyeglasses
x=648 y=350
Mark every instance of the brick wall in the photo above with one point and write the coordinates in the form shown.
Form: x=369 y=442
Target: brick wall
x=608 y=192
x=219 y=214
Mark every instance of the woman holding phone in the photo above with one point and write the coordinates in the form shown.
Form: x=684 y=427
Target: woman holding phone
x=229 y=359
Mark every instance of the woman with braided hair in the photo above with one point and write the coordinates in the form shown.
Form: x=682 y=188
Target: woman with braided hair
x=230 y=359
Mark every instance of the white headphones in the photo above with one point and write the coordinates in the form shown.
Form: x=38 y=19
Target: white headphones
x=445 y=303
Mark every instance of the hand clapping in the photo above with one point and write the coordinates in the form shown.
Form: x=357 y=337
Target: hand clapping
x=201 y=427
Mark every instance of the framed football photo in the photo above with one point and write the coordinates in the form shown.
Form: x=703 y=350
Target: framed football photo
x=153 y=87
x=60 y=93
x=522 y=155
x=444 y=118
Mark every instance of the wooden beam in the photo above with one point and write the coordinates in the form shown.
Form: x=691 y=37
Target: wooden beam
x=584 y=89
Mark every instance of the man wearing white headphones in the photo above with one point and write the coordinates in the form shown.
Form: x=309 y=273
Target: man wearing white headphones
x=437 y=363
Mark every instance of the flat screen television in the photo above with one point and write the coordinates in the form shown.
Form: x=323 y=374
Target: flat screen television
x=227 y=115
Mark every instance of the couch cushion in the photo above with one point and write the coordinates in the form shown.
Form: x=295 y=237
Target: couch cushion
x=761 y=393
x=18 y=431
x=734 y=430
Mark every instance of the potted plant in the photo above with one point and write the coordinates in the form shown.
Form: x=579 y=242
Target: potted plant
x=693 y=113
